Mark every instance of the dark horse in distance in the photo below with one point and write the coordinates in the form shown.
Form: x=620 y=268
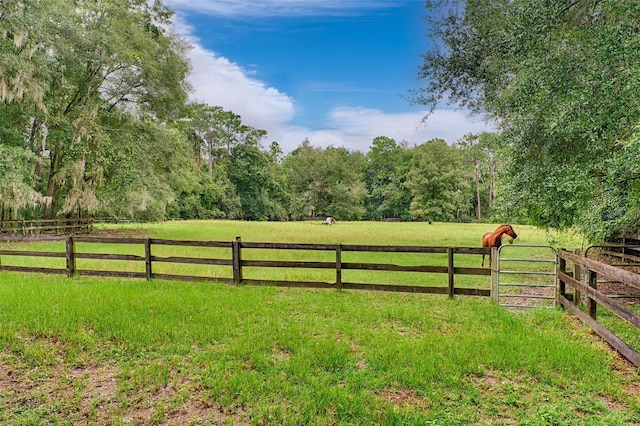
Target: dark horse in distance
x=494 y=239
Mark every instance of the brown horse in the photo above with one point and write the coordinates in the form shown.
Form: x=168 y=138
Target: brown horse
x=494 y=239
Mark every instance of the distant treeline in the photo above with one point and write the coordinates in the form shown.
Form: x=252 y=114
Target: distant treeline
x=94 y=121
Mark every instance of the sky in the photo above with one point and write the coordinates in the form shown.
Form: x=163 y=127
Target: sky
x=335 y=72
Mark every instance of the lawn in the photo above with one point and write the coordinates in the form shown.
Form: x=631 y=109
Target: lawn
x=125 y=351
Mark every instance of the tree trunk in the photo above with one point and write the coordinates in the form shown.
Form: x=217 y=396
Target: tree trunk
x=53 y=168
x=492 y=181
x=477 y=179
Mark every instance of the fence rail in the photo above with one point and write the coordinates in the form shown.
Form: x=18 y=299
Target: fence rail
x=591 y=270
x=237 y=264
x=233 y=260
x=45 y=226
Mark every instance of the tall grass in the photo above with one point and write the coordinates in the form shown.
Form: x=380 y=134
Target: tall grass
x=115 y=351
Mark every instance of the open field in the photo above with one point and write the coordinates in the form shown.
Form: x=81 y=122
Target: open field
x=123 y=351
x=347 y=233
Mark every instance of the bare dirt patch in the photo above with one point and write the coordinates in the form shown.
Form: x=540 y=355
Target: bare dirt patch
x=401 y=397
x=120 y=233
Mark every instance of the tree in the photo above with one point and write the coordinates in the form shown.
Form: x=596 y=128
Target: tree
x=80 y=67
x=258 y=186
x=143 y=165
x=437 y=182
x=325 y=182
x=387 y=166
x=559 y=78
x=480 y=154
x=209 y=198
x=16 y=186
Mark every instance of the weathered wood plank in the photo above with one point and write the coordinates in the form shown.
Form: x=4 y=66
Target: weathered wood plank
x=394 y=249
x=472 y=250
x=70 y=254
x=121 y=274
x=621 y=255
x=623 y=275
x=287 y=264
x=32 y=253
x=617 y=308
x=33 y=269
x=339 y=266
x=395 y=288
x=218 y=244
x=109 y=240
x=32 y=238
x=473 y=292
x=617 y=343
x=450 y=272
x=193 y=260
x=32 y=221
x=193 y=278
x=289 y=246
x=236 y=255
x=106 y=256
x=391 y=267
x=293 y=284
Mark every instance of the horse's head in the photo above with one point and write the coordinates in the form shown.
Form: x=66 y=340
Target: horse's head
x=505 y=229
x=510 y=232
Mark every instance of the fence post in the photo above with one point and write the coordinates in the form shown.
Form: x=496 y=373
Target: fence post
x=450 y=271
x=577 y=275
x=562 y=287
x=147 y=258
x=339 y=266
x=71 y=256
x=494 y=276
x=593 y=283
x=237 y=261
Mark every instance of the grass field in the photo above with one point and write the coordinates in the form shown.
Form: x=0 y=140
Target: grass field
x=118 y=351
x=367 y=233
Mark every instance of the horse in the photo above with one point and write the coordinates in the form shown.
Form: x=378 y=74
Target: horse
x=330 y=221
x=494 y=239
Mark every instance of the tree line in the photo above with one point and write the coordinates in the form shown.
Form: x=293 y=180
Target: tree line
x=561 y=80
x=95 y=120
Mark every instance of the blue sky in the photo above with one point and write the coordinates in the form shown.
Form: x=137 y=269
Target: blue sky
x=334 y=71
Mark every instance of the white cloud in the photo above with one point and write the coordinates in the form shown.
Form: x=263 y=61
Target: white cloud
x=355 y=128
x=264 y=8
x=218 y=81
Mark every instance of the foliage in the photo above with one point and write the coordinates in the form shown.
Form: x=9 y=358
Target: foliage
x=325 y=182
x=257 y=183
x=102 y=60
x=16 y=186
x=436 y=182
x=480 y=160
x=560 y=79
x=387 y=166
x=94 y=112
x=209 y=198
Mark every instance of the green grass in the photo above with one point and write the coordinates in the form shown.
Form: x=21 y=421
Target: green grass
x=117 y=351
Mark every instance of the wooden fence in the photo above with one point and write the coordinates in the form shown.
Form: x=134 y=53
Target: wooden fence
x=46 y=226
x=235 y=261
x=234 y=265
x=591 y=270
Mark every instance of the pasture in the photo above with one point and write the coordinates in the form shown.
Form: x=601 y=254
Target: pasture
x=124 y=351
